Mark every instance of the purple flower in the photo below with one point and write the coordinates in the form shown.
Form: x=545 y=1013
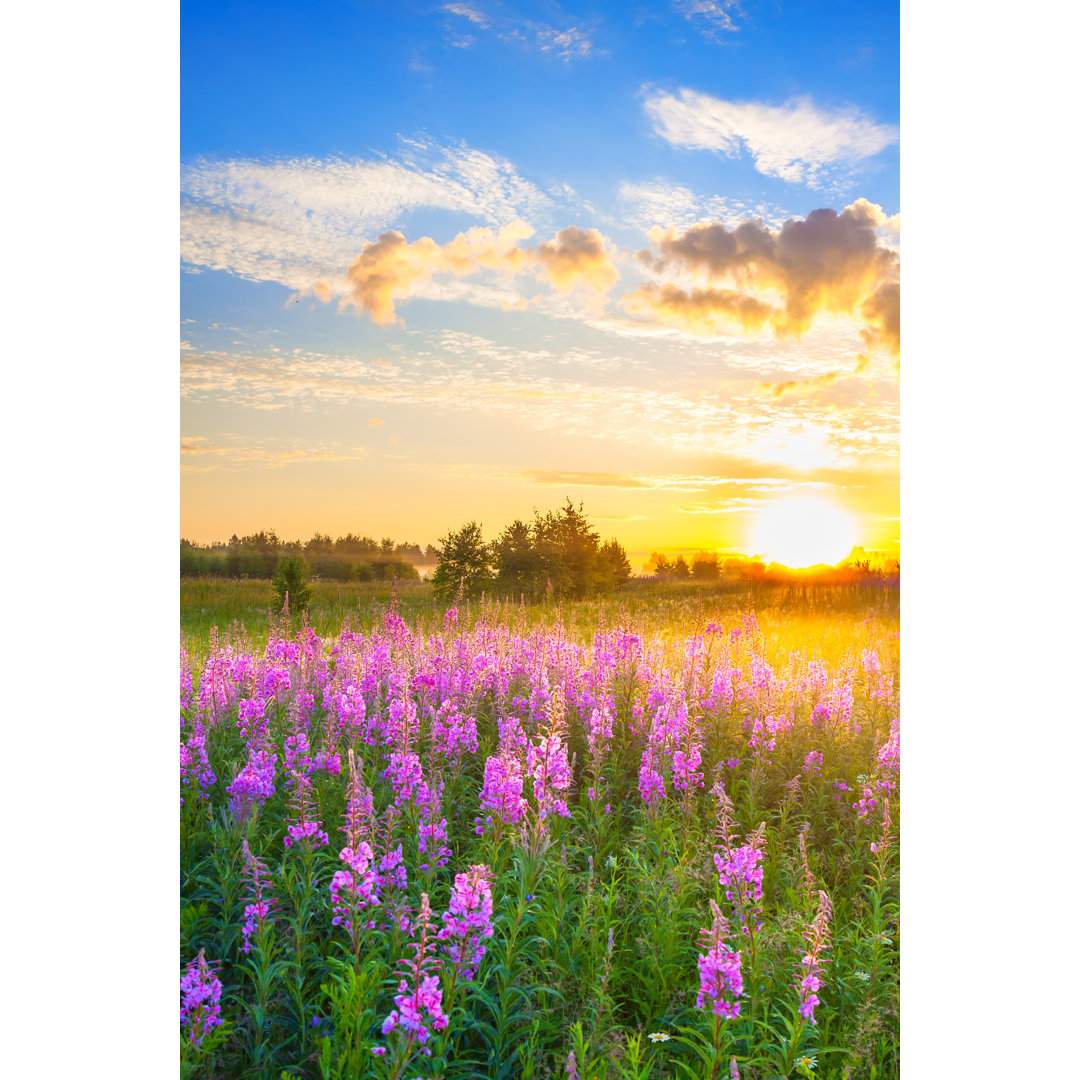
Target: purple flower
x=468 y=921
x=200 y=1003
x=719 y=970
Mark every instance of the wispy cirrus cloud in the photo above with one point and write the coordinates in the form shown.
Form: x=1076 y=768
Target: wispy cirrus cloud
x=231 y=452
x=466 y=376
x=798 y=141
x=648 y=204
x=568 y=41
x=295 y=221
x=712 y=17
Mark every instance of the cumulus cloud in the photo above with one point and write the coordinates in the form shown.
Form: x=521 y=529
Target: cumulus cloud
x=828 y=263
x=391 y=267
x=799 y=141
x=702 y=311
x=577 y=257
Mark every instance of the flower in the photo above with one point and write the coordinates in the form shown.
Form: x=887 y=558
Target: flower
x=864 y=976
x=200 y=1007
x=806 y=1062
x=659 y=1036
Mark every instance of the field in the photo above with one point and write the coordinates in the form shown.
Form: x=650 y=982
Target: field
x=651 y=837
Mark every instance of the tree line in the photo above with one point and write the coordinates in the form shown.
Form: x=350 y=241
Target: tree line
x=347 y=558
x=557 y=555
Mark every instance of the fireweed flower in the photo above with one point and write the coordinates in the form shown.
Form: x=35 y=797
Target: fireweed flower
x=650 y=780
x=571 y=1067
x=741 y=874
x=816 y=935
x=303 y=825
x=260 y=911
x=419 y=1001
x=468 y=921
x=549 y=767
x=353 y=889
x=200 y=1003
x=195 y=770
x=254 y=783
x=501 y=794
x=719 y=969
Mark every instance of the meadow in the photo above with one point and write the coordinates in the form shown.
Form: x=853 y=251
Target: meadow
x=655 y=836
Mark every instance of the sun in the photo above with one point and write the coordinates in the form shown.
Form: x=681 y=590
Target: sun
x=803 y=531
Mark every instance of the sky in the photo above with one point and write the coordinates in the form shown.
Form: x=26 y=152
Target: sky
x=445 y=262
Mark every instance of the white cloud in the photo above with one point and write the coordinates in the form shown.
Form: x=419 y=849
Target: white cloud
x=566 y=42
x=716 y=14
x=464 y=375
x=469 y=13
x=798 y=141
x=649 y=203
x=300 y=220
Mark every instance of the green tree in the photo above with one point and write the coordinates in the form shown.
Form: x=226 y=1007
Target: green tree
x=614 y=566
x=680 y=569
x=464 y=565
x=289 y=581
x=517 y=563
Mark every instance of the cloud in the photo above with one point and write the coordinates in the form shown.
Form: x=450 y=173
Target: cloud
x=798 y=141
x=577 y=257
x=716 y=14
x=701 y=311
x=567 y=42
x=572 y=43
x=881 y=313
x=828 y=263
x=300 y=220
x=389 y=268
x=788 y=386
x=235 y=452
x=650 y=203
x=471 y=379
x=467 y=13
x=554 y=478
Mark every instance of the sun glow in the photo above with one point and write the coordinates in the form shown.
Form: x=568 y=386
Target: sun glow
x=803 y=531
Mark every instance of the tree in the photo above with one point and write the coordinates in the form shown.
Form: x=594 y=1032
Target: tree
x=657 y=565
x=614 y=566
x=289 y=581
x=680 y=569
x=464 y=565
x=517 y=563
x=705 y=567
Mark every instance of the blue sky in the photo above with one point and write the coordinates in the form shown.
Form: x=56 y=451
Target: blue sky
x=586 y=334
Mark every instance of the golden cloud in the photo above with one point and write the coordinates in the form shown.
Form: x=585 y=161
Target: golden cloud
x=827 y=263
x=577 y=257
x=387 y=269
x=703 y=311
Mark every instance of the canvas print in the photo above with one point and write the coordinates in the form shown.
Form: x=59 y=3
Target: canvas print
x=539 y=556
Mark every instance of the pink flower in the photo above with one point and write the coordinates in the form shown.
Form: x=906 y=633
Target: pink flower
x=469 y=920
x=200 y=1006
x=719 y=970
